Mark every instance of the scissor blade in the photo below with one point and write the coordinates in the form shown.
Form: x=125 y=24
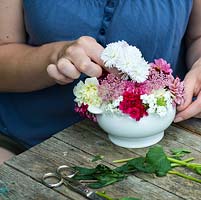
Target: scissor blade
x=82 y=189
x=94 y=196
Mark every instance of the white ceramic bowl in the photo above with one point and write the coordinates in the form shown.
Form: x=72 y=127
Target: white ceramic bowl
x=126 y=132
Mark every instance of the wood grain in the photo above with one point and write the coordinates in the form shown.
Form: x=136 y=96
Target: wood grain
x=23 y=187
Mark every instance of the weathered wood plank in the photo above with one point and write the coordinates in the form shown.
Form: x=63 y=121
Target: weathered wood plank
x=175 y=133
x=193 y=124
x=22 y=187
x=52 y=153
x=84 y=136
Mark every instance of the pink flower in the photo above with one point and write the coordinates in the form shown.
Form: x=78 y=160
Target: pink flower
x=110 y=88
x=161 y=65
x=82 y=110
x=177 y=89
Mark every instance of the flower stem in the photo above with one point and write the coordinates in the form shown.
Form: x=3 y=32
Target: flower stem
x=104 y=195
x=122 y=160
x=184 y=176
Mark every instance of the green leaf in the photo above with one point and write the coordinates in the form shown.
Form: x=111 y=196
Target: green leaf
x=157 y=159
x=179 y=151
x=102 y=173
x=140 y=164
x=84 y=170
x=96 y=158
x=198 y=170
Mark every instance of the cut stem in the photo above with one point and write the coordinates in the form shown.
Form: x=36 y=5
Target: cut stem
x=104 y=195
x=184 y=176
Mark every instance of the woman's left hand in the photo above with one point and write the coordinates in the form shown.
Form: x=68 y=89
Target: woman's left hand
x=192 y=88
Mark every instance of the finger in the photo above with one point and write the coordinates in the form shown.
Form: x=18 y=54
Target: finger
x=188 y=92
x=66 y=68
x=94 y=50
x=56 y=75
x=192 y=110
x=82 y=62
x=198 y=116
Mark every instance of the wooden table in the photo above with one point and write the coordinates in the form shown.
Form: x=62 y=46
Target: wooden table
x=77 y=145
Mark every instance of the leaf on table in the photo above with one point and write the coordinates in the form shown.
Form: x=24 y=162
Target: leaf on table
x=102 y=173
x=156 y=159
x=198 y=169
x=155 y=162
x=97 y=157
x=179 y=152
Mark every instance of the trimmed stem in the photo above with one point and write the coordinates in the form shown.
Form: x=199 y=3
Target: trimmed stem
x=170 y=159
x=184 y=163
x=104 y=195
x=184 y=176
x=122 y=160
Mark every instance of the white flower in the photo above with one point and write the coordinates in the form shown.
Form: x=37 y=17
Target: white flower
x=112 y=53
x=159 y=101
x=87 y=92
x=127 y=59
x=113 y=106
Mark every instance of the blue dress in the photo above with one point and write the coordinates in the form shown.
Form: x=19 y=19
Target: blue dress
x=156 y=27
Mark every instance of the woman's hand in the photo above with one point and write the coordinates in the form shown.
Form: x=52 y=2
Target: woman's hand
x=79 y=56
x=192 y=88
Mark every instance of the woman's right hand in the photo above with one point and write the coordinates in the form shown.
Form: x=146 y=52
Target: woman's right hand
x=76 y=57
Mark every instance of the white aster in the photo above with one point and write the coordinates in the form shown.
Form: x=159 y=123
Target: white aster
x=87 y=92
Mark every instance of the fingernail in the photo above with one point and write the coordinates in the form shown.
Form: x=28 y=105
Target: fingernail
x=178 y=119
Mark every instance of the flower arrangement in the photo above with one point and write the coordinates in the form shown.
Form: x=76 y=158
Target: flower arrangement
x=139 y=90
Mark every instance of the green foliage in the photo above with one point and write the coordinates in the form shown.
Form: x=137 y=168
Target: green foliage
x=155 y=162
x=179 y=152
x=96 y=158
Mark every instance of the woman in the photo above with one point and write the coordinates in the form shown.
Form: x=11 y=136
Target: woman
x=45 y=46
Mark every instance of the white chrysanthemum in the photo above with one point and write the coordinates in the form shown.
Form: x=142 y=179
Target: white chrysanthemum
x=127 y=59
x=112 y=53
x=159 y=102
x=87 y=92
x=133 y=64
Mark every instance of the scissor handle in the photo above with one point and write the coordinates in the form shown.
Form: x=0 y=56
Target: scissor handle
x=52 y=175
x=64 y=168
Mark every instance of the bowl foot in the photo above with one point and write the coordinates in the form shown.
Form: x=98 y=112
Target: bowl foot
x=136 y=142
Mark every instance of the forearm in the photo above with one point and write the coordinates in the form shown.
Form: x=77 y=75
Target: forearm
x=23 y=67
x=193 y=52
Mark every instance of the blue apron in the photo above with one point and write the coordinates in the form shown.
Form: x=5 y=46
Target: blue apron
x=156 y=27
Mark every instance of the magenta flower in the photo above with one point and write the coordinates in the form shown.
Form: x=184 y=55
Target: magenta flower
x=82 y=110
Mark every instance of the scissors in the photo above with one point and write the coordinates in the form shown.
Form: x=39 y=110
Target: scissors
x=64 y=175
